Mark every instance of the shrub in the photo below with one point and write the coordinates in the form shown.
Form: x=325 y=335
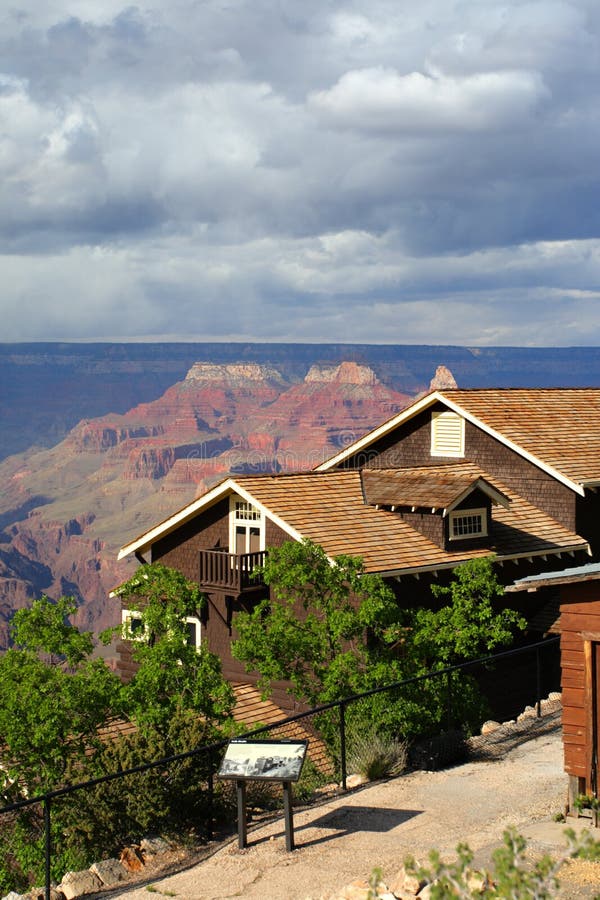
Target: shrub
x=377 y=756
x=512 y=873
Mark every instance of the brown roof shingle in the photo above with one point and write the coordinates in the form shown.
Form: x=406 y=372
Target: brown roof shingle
x=558 y=426
x=329 y=509
x=424 y=486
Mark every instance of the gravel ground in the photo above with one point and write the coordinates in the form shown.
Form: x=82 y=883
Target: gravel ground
x=516 y=779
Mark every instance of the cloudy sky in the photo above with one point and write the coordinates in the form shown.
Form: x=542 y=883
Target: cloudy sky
x=301 y=170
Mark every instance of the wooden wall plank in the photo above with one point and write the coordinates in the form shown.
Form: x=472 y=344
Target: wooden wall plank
x=573 y=697
x=574 y=716
x=573 y=660
x=572 y=678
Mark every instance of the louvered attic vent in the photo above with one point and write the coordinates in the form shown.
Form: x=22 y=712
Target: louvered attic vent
x=447 y=434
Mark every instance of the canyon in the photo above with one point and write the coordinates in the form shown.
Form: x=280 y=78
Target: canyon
x=66 y=509
x=102 y=441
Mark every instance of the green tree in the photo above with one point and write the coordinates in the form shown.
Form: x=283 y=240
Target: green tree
x=45 y=628
x=50 y=713
x=173 y=674
x=331 y=630
x=59 y=712
x=472 y=622
x=319 y=627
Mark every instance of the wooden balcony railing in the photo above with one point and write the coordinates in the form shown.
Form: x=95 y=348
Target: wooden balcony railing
x=230 y=571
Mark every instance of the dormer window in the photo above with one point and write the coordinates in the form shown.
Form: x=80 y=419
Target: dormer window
x=468 y=523
x=447 y=434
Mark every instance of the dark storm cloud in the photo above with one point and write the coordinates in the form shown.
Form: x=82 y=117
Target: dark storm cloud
x=274 y=170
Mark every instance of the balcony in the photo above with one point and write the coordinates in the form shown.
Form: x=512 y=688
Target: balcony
x=232 y=572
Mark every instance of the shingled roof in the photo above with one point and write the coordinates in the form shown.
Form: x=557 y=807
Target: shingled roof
x=558 y=426
x=426 y=487
x=329 y=509
x=557 y=429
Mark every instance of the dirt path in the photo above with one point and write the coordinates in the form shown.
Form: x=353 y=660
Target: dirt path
x=346 y=836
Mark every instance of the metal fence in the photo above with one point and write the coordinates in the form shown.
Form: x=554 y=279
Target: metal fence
x=192 y=773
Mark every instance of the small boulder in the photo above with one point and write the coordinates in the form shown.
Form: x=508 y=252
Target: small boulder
x=489 y=726
x=132 y=860
x=109 y=871
x=153 y=846
x=40 y=894
x=356 y=890
x=528 y=713
x=356 y=780
x=77 y=884
x=477 y=882
x=406 y=884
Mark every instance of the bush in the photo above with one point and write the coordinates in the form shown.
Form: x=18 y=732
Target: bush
x=166 y=800
x=513 y=874
x=377 y=756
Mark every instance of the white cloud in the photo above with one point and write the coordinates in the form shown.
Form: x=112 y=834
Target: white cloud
x=382 y=99
x=300 y=171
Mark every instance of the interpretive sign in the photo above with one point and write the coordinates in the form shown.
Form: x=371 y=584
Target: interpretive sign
x=248 y=760
x=263 y=760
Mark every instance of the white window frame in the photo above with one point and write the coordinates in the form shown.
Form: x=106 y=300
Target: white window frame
x=141 y=634
x=463 y=514
x=127 y=616
x=447 y=418
x=254 y=519
x=194 y=620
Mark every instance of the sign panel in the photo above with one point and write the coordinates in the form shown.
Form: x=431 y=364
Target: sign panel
x=263 y=760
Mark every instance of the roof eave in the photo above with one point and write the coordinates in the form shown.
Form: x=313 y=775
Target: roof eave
x=498 y=558
x=486 y=488
x=498 y=436
x=225 y=488
x=183 y=515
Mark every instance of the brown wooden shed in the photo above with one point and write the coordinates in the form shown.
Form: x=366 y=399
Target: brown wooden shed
x=574 y=595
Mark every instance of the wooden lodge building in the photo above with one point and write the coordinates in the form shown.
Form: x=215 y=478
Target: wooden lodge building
x=458 y=474
x=573 y=595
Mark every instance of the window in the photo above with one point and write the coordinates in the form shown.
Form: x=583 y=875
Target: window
x=132 y=625
x=246 y=527
x=246 y=512
x=193 y=631
x=447 y=434
x=468 y=523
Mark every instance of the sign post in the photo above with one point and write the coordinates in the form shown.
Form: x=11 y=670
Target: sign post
x=253 y=760
x=241 y=814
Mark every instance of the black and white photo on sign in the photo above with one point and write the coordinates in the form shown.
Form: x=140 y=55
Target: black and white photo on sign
x=280 y=761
